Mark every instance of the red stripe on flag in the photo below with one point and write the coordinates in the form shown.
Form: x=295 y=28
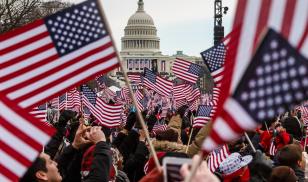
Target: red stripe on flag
x=288 y=17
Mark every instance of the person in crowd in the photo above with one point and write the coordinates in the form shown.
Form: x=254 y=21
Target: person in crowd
x=293 y=125
x=235 y=168
x=283 y=174
x=291 y=155
x=67 y=167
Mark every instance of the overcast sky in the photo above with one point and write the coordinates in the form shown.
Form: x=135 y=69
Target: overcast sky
x=185 y=25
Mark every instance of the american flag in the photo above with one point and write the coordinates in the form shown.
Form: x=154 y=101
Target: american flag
x=55 y=103
x=125 y=94
x=159 y=126
x=53 y=54
x=203 y=116
x=22 y=139
x=178 y=92
x=40 y=112
x=179 y=103
x=156 y=83
x=134 y=78
x=101 y=81
x=193 y=106
x=217 y=156
x=186 y=70
x=277 y=78
x=303 y=44
x=108 y=115
x=193 y=95
x=62 y=102
x=272 y=149
x=86 y=112
x=214 y=59
x=139 y=97
x=304 y=111
x=73 y=99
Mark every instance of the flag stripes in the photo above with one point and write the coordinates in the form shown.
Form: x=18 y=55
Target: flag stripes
x=186 y=70
x=22 y=139
x=33 y=69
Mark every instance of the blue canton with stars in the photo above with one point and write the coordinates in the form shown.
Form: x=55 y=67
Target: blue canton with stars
x=276 y=79
x=204 y=110
x=62 y=98
x=90 y=95
x=150 y=76
x=194 y=69
x=214 y=57
x=76 y=27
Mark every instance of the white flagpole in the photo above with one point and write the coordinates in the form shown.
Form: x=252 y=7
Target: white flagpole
x=144 y=127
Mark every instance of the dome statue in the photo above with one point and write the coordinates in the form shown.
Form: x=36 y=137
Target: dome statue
x=140 y=34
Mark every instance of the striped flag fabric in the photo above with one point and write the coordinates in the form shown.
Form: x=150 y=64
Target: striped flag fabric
x=22 y=139
x=108 y=115
x=214 y=58
x=156 y=83
x=217 y=156
x=50 y=55
x=275 y=79
x=272 y=149
x=303 y=44
x=73 y=99
x=304 y=111
x=186 y=70
x=159 y=126
x=193 y=95
x=125 y=94
x=178 y=93
x=40 y=112
x=63 y=101
x=139 y=97
x=55 y=103
x=203 y=116
x=193 y=106
x=134 y=78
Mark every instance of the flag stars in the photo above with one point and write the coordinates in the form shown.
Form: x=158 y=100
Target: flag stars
x=244 y=96
x=269 y=90
x=261 y=115
x=291 y=61
x=252 y=83
x=252 y=106
x=302 y=70
x=274 y=44
x=275 y=55
x=283 y=52
x=288 y=97
x=266 y=58
x=295 y=84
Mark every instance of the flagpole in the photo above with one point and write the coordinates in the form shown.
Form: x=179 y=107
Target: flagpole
x=152 y=150
x=250 y=143
x=192 y=130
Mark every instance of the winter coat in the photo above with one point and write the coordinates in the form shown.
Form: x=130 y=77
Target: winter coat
x=101 y=163
x=134 y=165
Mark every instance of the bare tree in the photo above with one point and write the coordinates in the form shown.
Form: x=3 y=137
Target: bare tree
x=15 y=13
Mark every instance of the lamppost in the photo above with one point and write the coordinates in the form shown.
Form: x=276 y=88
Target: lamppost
x=218 y=28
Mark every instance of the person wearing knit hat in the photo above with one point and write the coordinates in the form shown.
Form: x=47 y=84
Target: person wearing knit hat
x=235 y=167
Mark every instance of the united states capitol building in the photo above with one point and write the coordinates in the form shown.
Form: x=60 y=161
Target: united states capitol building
x=141 y=49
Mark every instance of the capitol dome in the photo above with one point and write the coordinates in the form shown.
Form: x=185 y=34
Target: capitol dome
x=140 y=34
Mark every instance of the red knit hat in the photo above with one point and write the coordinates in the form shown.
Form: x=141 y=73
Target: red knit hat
x=150 y=165
x=86 y=163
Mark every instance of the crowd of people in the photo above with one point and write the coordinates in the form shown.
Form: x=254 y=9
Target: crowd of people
x=84 y=151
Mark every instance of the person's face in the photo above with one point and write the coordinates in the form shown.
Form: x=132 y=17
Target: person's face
x=52 y=173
